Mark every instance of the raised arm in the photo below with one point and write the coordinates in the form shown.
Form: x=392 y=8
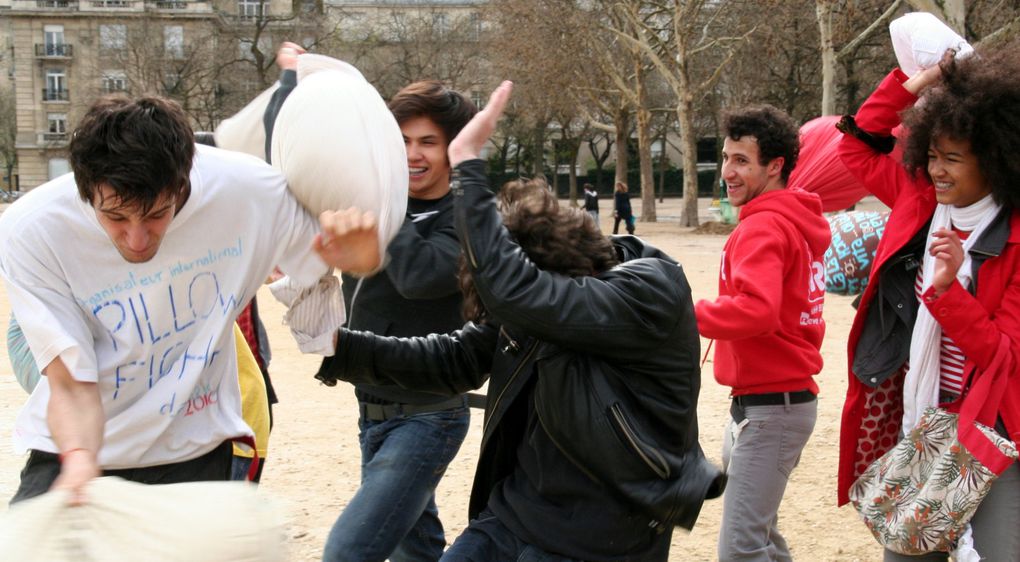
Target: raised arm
x=642 y=296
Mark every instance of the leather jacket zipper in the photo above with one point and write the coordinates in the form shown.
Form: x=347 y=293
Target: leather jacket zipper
x=658 y=464
x=538 y=414
x=458 y=191
x=509 y=382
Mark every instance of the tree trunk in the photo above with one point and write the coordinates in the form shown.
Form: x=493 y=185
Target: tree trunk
x=662 y=166
x=555 y=183
x=823 y=12
x=575 y=148
x=689 y=145
x=622 y=123
x=538 y=160
x=644 y=126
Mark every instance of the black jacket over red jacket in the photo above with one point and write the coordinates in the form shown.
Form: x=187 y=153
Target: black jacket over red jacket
x=592 y=395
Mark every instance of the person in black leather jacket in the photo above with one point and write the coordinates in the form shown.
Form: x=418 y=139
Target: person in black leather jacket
x=590 y=449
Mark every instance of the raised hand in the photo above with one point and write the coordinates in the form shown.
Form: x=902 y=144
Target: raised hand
x=947 y=249
x=469 y=142
x=349 y=241
x=287 y=55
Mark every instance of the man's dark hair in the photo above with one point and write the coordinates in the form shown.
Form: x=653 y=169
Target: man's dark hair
x=446 y=108
x=141 y=148
x=978 y=101
x=560 y=239
x=775 y=131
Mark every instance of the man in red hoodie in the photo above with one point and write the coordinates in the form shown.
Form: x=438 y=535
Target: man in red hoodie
x=768 y=323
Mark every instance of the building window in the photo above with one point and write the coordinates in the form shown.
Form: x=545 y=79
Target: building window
x=58 y=167
x=475 y=23
x=113 y=37
x=114 y=81
x=173 y=41
x=56 y=126
x=171 y=82
x=56 y=85
x=249 y=9
x=440 y=25
x=53 y=40
x=244 y=47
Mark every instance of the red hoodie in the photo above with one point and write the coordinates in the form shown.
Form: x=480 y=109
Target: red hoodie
x=768 y=318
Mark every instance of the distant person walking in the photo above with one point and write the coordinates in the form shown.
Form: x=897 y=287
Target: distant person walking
x=591 y=203
x=621 y=209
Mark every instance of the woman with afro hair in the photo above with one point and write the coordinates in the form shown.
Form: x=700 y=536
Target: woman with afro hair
x=942 y=307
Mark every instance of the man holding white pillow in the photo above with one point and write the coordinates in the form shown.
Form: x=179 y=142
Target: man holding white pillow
x=126 y=277
x=407 y=437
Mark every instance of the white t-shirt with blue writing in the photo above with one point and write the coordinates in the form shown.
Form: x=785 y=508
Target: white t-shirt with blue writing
x=157 y=336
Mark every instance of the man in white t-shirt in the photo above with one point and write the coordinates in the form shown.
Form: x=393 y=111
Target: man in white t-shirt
x=126 y=278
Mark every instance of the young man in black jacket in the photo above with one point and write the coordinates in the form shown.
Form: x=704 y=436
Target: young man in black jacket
x=407 y=436
x=590 y=449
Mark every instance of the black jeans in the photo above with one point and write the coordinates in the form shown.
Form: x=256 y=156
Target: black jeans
x=42 y=470
x=628 y=222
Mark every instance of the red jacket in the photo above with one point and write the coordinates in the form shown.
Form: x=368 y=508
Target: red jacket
x=768 y=318
x=979 y=323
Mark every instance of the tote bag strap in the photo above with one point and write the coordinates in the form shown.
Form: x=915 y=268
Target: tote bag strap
x=981 y=404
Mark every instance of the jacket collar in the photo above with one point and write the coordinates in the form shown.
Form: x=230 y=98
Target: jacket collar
x=994 y=238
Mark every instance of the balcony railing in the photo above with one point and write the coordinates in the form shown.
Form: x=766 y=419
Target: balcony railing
x=54 y=95
x=50 y=138
x=111 y=3
x=56 y=3
x=54 y=50
x=171 y=5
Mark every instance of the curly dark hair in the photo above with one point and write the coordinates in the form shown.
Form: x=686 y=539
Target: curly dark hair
x=775 y=131
x=560 y=239
x=141 y=148
x=978 y=101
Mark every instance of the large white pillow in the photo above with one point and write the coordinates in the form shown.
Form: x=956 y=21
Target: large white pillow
x=920 y=39
x=339 y=146
x=207 y=521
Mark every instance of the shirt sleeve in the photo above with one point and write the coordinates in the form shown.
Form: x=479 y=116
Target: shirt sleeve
x=51 y=320
x=753 y=266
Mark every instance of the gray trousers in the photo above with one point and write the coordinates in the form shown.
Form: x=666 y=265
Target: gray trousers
x=995 y=524
x=759 y=454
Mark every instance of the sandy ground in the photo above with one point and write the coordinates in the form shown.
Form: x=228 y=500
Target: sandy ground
x=314 y=460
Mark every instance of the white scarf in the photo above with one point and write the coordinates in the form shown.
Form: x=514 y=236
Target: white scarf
x=921 y=385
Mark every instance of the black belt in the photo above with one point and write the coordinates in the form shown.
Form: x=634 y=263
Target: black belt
x=775 y=398
x=383 y=412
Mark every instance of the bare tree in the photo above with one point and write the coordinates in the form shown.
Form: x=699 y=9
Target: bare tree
x=8 y=134
x=154 y=56
x=831 y=56
x=691 y=42
x=395 y=47
x=248 y=40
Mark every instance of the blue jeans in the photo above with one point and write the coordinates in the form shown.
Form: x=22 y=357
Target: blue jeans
x=393 y=515
x=486 y=539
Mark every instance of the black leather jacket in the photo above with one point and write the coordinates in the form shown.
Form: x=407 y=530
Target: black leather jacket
x=609 y=363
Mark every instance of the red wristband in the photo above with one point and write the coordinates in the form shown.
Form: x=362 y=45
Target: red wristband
x=63 y=455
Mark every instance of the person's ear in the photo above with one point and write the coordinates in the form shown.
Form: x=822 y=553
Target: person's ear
x=775 y=166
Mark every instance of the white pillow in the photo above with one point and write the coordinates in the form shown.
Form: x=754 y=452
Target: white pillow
x=207 y=521
x=245 y=131
x=339 y=146
x=920 y=39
